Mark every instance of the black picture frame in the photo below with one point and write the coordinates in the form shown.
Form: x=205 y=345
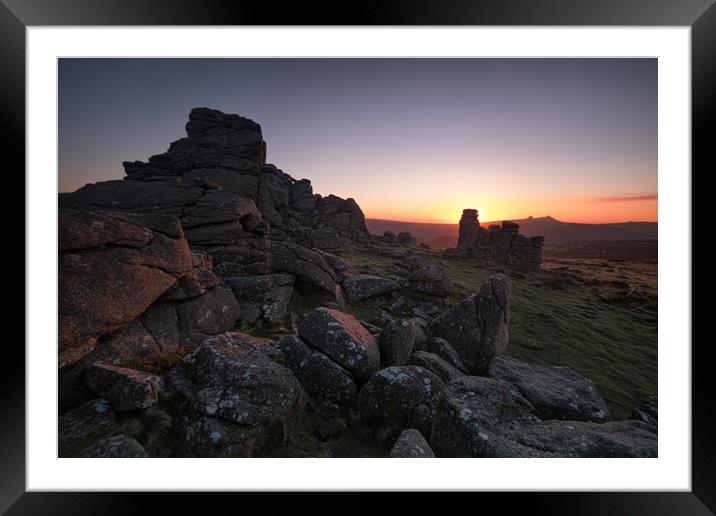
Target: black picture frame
x=700 y=15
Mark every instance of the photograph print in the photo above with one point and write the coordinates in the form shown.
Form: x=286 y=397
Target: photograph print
x=359 y=257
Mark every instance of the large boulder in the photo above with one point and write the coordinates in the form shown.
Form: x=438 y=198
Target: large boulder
x=474 y=415
x=362 y=286
x=111 y=269
x=343 y=339
x=477 y=327
x=308 y=266
x=232 y=396
x=484 y=417
x=411 y=444
x=236 y=379
x=431 y=280
x=126 y=389
x=400 y=397
x=555 y=392
x=331 y=388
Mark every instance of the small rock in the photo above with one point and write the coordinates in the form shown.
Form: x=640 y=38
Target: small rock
x=411 y=444
x=437 y=365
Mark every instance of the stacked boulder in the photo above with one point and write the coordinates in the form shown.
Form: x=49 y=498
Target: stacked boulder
x=332 y=355
x=503 y=244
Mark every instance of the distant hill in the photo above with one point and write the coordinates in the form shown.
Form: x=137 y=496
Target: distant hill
x=555 y=231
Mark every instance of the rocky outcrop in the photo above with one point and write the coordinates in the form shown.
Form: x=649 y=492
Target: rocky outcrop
x=411 y=444
x=555 y=392
x=362 y=286
x=484 y=417
x=477 y=327
x=503 y=244
x=342 y=338
x=218 y=175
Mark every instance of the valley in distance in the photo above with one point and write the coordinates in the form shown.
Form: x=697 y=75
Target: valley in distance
x=211 y=305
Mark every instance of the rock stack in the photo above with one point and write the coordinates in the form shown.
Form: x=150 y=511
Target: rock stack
x=503 y=244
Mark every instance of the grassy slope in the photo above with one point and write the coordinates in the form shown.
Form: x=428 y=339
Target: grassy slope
x=613 y=344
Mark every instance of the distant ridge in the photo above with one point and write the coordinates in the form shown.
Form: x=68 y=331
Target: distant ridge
x=554 y=231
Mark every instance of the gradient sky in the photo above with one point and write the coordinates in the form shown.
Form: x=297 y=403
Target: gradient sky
x=409 y=139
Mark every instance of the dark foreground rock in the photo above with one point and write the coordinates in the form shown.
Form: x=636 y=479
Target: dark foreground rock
x=397 y=340
x=555 y=392
x=444 y=350
x=234 y=397
x=343 y=339
x=126 y=389
x=484 y=417
x=118 y=446
x=400 y=397
x=411 y=444
x=92 y=419
x=477 y=327
x=331 y=388
x=437 y=365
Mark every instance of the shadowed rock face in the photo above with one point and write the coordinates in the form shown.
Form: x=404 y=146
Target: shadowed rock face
x=343 y=339
x=331 y=388
x=126 y=389
x=111 y=269
x=555 y=392
x=400 y=397
x=477 y=327
x=362 y=286
x=502 y=244
x=484 y=417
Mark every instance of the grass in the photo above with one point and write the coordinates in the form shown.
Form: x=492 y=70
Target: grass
x=564 y=319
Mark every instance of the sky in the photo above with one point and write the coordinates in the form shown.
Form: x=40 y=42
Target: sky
x=408 y=139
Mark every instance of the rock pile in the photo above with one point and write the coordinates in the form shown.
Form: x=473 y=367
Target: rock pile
x=503 y=244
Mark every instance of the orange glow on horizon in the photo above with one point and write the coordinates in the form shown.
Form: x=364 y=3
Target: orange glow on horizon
x=581 y=210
